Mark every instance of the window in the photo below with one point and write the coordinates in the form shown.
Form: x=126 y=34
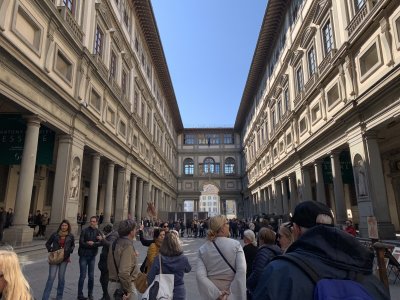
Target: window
x=113 y=65
x=209 y=166
x=188 y=139
x=286 y=99
x=70 y=4
x=288 y=138
x=126 y=18
x=63 y=66
x=333 y=95
x=397 y=23
x=327 y=37
x=299 y=79
x=98 y=43
x=110 y=116
x=188 y=166
x=302 y=125
x=124 y=82
x=358 y=4
x=228 y=138
x=95 y=100
x=279 y=108
x=135 y=101
x=369 y=60
x=229 y=166
x=122 y=128
x=273 y=118
x=142 y=110
x=311 y=61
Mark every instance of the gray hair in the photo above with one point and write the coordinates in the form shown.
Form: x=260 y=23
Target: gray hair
x=125 y=227
x=249 y=234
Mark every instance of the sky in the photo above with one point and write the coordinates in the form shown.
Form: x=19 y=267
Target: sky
x=209 y=46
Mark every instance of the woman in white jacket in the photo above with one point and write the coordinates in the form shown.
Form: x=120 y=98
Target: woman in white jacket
x=221 y=265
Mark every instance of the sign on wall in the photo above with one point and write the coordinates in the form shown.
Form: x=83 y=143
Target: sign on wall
x=12 y=139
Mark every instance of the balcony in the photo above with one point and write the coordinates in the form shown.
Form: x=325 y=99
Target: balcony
x=70 y=20
x=310 y=83
x=360 y=16
x=298 y=98
x=101 y=67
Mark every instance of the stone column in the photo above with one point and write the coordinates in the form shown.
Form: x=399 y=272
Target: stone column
x=278 y=198
x=94 y=185
x=293 y=192
x=306 y=188
x=121 y=199
x=132 y=203
x=341 y=215
x=260 y=200
x=146 y=197
x=139 y=201
x=378 y=188
x=270 y=200
x=319 y=178
x=23 y=233
x=109 y=193
x=157 y=202
x=285 y=199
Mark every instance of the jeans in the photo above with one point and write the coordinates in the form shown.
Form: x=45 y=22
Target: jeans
x=86 y=261
x=61 y=268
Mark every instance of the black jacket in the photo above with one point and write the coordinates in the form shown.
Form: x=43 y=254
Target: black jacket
x=332 y=252
x=89 y=234
x=52 y=244
x=250 y=252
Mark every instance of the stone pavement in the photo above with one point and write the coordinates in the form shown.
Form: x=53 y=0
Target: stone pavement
x=35 y=268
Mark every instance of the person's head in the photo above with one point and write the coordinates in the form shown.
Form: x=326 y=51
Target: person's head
x=127 y=228
x=171 y=245
x=64 y=226
x=10 y=209
x=349 y=223
x=108 y=228
x=218 y=226
x=93 y=221
x=158 y=235
x=1 y=209
x=308 y=214
x=285 y=235
x=266 y=236
x=13 y=284
x=249 y=237
x=38 y=211
x=165 y=226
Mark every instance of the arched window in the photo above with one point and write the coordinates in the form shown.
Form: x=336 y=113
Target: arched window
x=209 y=165
x=229 y=166
x=188 y=166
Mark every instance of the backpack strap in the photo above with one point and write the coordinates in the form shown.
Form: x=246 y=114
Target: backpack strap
x=115 y=263
x=311 y=273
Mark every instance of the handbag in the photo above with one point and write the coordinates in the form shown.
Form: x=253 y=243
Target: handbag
x=56 y=257
x=162 y=286
x=141 y=282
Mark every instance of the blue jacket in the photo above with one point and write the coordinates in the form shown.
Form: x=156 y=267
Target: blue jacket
x=177 y=265
x=332 y=253
x=264 y=255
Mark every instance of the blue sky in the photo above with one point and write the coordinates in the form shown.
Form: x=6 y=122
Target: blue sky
x=209 y=45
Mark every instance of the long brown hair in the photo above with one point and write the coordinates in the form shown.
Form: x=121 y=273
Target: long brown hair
x=171 y=245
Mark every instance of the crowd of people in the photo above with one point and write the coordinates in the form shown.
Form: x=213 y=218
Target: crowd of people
x=270 y=265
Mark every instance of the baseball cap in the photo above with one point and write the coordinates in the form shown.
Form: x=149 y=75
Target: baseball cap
x=306 y=213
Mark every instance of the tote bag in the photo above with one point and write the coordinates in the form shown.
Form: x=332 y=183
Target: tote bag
x=162 y=287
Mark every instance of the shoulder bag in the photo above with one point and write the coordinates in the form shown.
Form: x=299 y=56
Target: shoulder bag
x=219 y=251
x=162 y=286
x=118 y=293
x=56 y=257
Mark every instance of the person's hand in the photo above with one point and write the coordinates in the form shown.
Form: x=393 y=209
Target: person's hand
x=126 y=296
x=99 y=237
x=90 y=243
x=224 y=295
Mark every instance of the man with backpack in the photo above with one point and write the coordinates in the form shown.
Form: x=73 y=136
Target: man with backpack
x=323 y=261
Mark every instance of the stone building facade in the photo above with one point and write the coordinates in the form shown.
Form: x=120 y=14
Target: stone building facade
x=319 y=116
x=85 y=82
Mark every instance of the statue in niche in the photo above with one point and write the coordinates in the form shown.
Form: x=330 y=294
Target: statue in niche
x=75 y=175
x=362 y=184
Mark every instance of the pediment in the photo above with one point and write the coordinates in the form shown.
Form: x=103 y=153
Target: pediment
x=322 y=7
x=307 y=37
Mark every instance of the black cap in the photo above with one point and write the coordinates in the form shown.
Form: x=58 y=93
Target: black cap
x=306 y=213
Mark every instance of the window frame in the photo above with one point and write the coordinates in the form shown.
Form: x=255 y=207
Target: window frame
x=99 y=36
x=188 y=167
x=312 y=61
x=331 y=41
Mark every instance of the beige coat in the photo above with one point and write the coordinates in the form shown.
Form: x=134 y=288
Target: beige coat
x=126 y=260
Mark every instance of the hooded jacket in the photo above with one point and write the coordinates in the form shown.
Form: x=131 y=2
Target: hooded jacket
x=332 y=252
